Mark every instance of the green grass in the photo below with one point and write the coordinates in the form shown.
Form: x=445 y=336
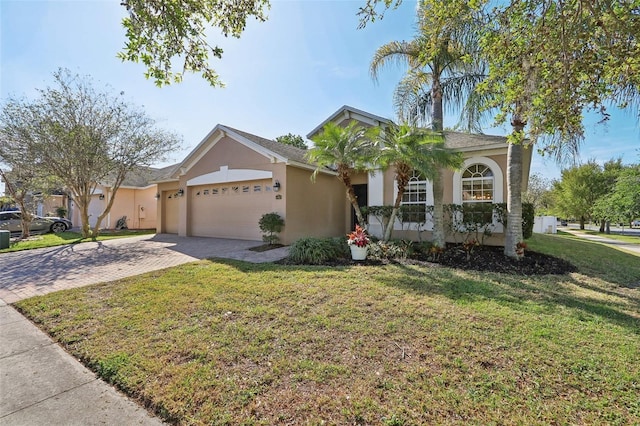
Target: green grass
x=63 y=238
x=226 y=342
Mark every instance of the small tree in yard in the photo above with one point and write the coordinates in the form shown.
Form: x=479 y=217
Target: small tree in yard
x=82 y=137
x=271 y=224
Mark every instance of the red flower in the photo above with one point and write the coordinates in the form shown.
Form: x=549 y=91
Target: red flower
x=358 y=237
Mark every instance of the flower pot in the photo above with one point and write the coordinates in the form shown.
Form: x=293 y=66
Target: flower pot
x=358 y=253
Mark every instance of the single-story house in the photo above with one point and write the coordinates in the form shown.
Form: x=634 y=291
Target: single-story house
x=223 y=187
x=135 y=201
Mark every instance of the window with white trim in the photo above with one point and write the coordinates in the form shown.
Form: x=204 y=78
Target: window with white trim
x=478 y=193
x=414 y=199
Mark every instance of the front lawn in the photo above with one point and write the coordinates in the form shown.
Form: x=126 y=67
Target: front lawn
x=225 y=342
x=69 y=237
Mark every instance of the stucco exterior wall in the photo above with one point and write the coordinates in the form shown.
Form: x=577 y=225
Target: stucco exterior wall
x=227 y=152
x=313 y=209
x=167 y=208
x=51 y=203
x=139 y=205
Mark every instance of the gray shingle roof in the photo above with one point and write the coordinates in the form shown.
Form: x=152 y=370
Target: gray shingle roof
x=459 y=140
x=145 y=176
x=287 y=151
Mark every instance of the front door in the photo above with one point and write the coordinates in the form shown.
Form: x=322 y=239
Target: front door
x=361 y=195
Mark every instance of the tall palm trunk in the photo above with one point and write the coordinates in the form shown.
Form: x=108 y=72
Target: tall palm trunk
x=439 y=239
x=403 y=171
x=513 y=234
x=344 y=174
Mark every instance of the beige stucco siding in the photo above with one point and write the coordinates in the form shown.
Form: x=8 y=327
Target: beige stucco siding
x=51 y=203
x=227 y=152
x=137 y=204
x=170 y=214
x=229 y=210
x=167 y=208
x=313 y=209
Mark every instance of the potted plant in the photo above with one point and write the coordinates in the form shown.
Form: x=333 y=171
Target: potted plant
x=358 y=243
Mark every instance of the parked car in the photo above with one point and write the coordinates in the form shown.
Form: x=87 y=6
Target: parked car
x=635 y=223
x=12 y=221
x=563 y=222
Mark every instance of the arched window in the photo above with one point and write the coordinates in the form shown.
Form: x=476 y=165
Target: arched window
x=478 y=193
x=477 y=184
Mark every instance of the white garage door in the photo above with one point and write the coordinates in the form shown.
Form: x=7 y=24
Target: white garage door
x=170 y=213
x=229 y=210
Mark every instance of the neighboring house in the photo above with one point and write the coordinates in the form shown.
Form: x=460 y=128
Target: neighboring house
x=135 y=200
x=232 y=178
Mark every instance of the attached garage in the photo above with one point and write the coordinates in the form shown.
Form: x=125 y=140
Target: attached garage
x=229 y=210
x=232 y=178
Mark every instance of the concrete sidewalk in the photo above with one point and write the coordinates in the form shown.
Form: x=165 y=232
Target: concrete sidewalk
x=40 y=383
x=631 y=248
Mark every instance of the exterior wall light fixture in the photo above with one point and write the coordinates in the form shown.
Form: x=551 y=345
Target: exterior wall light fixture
x=180 y=192
x=157 y=196
x=101 y=197
x=276 y=186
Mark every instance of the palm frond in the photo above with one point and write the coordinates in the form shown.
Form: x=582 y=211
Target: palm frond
x=395 y=53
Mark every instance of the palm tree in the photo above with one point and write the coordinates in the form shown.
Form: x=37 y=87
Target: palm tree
x=407 y=148
x=439 y=70
x=349 y=150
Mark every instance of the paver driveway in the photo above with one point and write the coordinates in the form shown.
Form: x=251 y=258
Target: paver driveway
x=33 y=272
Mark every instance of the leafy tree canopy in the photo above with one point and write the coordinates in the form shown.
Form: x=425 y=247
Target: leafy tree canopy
x=81 y=136
x=622 y=202
x=293 y=140
x=161 y=33
x=577 y=191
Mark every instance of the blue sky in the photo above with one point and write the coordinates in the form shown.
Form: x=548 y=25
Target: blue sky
x=285 y=75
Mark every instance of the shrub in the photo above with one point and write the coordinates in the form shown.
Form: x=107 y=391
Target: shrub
x=422 y=247
x=341 y=247
x=271 y=224
x=61 y=211
x=389 y=251
x=316 y=251
x=528 y=216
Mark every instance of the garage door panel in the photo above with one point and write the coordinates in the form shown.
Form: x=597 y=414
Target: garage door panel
x=229 y=210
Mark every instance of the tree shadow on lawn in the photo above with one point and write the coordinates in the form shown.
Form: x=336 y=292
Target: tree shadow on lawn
x=516 y=292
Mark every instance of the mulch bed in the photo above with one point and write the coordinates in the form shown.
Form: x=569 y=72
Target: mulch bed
x=492 y=259
x=483 y=258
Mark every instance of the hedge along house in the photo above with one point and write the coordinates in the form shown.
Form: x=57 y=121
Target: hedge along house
x=481 y=180
x=232 y=178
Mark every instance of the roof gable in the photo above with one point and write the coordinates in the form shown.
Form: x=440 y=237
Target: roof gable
x=455 y=140
x=347 y=112
x=271 y=150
